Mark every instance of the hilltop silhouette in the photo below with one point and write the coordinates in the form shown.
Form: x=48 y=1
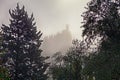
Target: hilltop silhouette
x=59 y=42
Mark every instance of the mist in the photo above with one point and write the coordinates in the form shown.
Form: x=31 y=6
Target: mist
x=60 y=42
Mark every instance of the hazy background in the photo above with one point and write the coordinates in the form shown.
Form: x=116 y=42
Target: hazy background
x=51 y=17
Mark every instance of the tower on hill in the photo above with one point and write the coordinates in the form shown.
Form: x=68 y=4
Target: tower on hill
x=59 y=42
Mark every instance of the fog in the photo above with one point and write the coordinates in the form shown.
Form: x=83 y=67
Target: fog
x=59 y=42
x=51 y=16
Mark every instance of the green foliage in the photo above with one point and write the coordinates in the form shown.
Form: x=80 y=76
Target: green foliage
x=104 y=65
x=4 y=74
x=70 y=65
x=102 y=19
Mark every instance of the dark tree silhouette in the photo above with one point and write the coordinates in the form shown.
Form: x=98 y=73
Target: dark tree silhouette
x=102 y=19
x=21 y=43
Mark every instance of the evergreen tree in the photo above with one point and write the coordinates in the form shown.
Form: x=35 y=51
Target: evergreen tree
x=21 y=43
x=102 y=19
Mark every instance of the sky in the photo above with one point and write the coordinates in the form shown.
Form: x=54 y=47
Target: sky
x=51 y=16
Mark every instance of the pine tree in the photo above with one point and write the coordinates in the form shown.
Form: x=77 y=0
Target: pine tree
x=21 y=43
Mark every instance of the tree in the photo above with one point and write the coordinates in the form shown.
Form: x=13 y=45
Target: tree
x=21 y=43
x=4 y=75
x=70 y=65
x=56 y=70
x=102 y=20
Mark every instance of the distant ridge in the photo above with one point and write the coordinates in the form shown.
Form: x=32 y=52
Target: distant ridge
x=59 y=42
